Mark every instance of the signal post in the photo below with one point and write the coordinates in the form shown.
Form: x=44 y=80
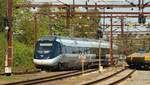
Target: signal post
x=9 y=53
x=82 y=58
x=100 y=66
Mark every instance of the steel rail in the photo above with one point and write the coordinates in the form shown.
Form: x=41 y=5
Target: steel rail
x=105 y=78
x=37 y=79
x=50 y=78
x=21 y=73
x=122 y=79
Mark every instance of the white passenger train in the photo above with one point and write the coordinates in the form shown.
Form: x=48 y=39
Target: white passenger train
x=64 y=52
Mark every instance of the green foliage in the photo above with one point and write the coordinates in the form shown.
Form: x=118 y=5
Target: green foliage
x=2 y=50
x=23 y=28
x=59 y=26
x=42 y=26
x=23 y=56
x=23 y=25
x=2 y=13
x=3 y=6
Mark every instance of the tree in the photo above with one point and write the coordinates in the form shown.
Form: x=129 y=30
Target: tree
x=87 y=26
x=3 y=6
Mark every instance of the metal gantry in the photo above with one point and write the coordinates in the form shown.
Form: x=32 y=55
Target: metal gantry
x=68 y=13
x=24 y=5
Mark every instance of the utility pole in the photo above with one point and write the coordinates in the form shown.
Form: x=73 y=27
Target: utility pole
x=35 y=29
x=111 y=42
x=73 y=5
x=50 y=25
x=104 y=19
x=9 y=54
x=122 y=26
x=72 y=10
x=100 y=66
x=68 y=13
x=122 y=35
x=68 y=18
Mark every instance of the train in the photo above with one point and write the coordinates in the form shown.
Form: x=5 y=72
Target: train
x=138 y=60
x=56 y=52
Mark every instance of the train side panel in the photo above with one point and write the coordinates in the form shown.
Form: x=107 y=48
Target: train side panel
x=139 y=60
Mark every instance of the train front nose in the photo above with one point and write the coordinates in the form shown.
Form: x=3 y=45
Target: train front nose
x=47 y=62
x=45 y=59
x=46 y=53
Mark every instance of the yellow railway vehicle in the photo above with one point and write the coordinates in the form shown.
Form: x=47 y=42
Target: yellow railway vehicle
x=138 y=60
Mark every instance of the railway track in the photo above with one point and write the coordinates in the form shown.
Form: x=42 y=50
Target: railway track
x=21 y=73
x=50 y=78
x=111 y=77
x=123 y=79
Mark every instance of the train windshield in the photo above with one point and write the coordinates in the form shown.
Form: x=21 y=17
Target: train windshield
x=44 y=47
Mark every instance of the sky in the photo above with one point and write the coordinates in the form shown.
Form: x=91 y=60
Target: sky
x=131 y=20
x=91 y=1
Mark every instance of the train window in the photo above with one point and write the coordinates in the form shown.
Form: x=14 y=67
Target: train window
x=74 y=50
x=85 y=50
x=88 y=50
x=46 y=44
x=44 y=48
x=59 y=48
x=63 y=49
x=80 y=51
x=92 y=50
x=68 y=49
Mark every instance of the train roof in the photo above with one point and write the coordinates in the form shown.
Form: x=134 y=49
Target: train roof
x=79 y=42
x=139 y=55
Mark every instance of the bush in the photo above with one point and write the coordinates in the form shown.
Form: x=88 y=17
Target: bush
x=22 y=55
x=2 y=50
